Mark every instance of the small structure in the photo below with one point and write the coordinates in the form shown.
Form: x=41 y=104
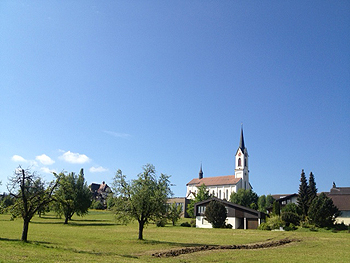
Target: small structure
x=238 y=216
x=180 y=201
x=341 y=199
x=100 y=192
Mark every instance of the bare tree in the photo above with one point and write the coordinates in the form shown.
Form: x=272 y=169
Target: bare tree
x=30 y=194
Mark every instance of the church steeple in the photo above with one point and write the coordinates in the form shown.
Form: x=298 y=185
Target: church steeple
x=241 y=141
x=241 y=163
x=200 y=173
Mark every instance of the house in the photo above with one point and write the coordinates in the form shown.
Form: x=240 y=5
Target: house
x=100 y=192
x=223 y=186
x=238 y=216
x=180 y=201
x=341 y=199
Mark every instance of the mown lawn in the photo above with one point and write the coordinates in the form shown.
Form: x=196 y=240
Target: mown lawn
x=97 y=238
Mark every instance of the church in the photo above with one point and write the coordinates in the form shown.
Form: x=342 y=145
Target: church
x=223 y=186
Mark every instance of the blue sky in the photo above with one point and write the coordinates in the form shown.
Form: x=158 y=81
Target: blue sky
x=118 y=84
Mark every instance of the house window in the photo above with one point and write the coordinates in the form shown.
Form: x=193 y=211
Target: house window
x=239 y=162
x=201 y=209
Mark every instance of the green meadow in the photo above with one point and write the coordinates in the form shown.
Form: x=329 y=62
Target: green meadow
x=96 y=237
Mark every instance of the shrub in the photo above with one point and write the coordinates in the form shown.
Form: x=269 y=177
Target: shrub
x=275 y=222
x=96 y=204
x=290 y=227
x=185 y=224
x=193 y=223
x=161 y=222
x=290 y=218
x=216 y=214
x=228 y=226
x=264 y=226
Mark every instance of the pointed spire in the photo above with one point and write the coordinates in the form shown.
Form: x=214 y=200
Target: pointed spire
x=241 y=141
x=200 y=172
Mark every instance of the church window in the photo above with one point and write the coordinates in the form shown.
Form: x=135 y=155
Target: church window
x=239 y=162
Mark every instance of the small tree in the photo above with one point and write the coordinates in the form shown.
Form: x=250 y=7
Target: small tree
x=174 y=212
x=216 y=214
x=276 y=208
x=202 y=195
x=262 y=203
x=72 y=196
x=246 y=198
x=303 y=195
x=30 y=195
x=143 y=199
x=322 y=211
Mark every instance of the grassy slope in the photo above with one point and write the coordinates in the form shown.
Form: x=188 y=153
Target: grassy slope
x=96 y=237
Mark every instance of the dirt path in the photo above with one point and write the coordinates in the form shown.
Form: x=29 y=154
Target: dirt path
x=177 y=252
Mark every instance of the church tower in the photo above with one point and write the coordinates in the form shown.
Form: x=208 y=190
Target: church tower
x=241 y=163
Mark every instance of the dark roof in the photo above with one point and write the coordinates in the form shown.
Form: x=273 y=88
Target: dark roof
x=217 y=180
x=340 y=191
x=282 y=197
x=229 y=204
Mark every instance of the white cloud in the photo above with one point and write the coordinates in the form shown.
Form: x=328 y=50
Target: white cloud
x=17 y=158
x=117 y=134
x=75 y=157
x=99 y=169
x=44 y=159
x=47 y=170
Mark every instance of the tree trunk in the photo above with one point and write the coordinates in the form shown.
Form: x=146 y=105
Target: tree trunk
x=25 y=230
x=141 y=225
x=66 y=219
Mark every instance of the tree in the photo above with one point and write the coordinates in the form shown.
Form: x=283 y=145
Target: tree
x=276 y=208
x=143 y=199
x=244 y=197
x=216 y=214
x=262 y=203
x=322 y=211
x=30 y=194
x=174 y=212
x=201 y=195
x=303 y=195
x=72 y=196
x=312 y=190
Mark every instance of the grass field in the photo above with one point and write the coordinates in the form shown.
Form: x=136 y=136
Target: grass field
x=97 y=238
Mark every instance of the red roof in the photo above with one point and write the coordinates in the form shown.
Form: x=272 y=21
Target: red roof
x=217 y=180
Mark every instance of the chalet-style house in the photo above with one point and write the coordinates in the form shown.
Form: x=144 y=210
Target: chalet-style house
x=223 y=186
x=238 y=216
x=100 y=192
x=341 y=199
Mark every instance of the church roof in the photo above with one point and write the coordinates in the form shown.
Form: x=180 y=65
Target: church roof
x=217 y=180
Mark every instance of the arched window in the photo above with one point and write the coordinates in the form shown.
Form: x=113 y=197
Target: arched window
x=239 y=162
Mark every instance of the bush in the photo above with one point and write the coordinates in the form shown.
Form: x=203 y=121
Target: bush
x=185 y=224
x=228 y=226
x=264 y=226
x=290 y=218
x=290 y=227
x=161 y=222
x=275 y=222
x=97 y=205
x=216 y=214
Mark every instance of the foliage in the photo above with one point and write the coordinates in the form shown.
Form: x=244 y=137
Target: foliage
x=96 y=204
x=264 y=226
x=276 y=208
x=262 y=203
x=72 y=195
x=143 y=199
x=291 y=207
x=201 y=195
x=30 y=195
x=269 y=201
x=185 y=224
x=229 y=226
x=322 y=211
x=245 y=197
x=303 y=198
x=6 y=202
x=161 y=222
x=274 y=222
x=174 y=212
x=216 y=214
x=290 y=218
x=312 y=190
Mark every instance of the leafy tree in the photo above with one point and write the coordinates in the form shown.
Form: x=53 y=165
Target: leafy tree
x=244 y=197
x=276 y=208
x=269 y=201
x=174 y=212
x=303 y=195
x=216 y=214
x=312 y=190
x=291 y=207
x=72 y=196
x=262 y=203
x=202 y=195
x=290 y=218
x=143 y=199
x=322 y=211
x=30 y=195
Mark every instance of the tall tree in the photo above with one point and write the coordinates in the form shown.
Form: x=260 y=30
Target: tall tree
x=322 y=211
x=30 y=194
x=174 y=212
x=245 y=197
x=143 y=199
x=72 y=195
x=262 y=203
x=216 y=214
x=201 y=195
x=303 y=195
x=312 y=190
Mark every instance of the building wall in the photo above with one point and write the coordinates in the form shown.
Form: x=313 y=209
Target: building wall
x=219 y=191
